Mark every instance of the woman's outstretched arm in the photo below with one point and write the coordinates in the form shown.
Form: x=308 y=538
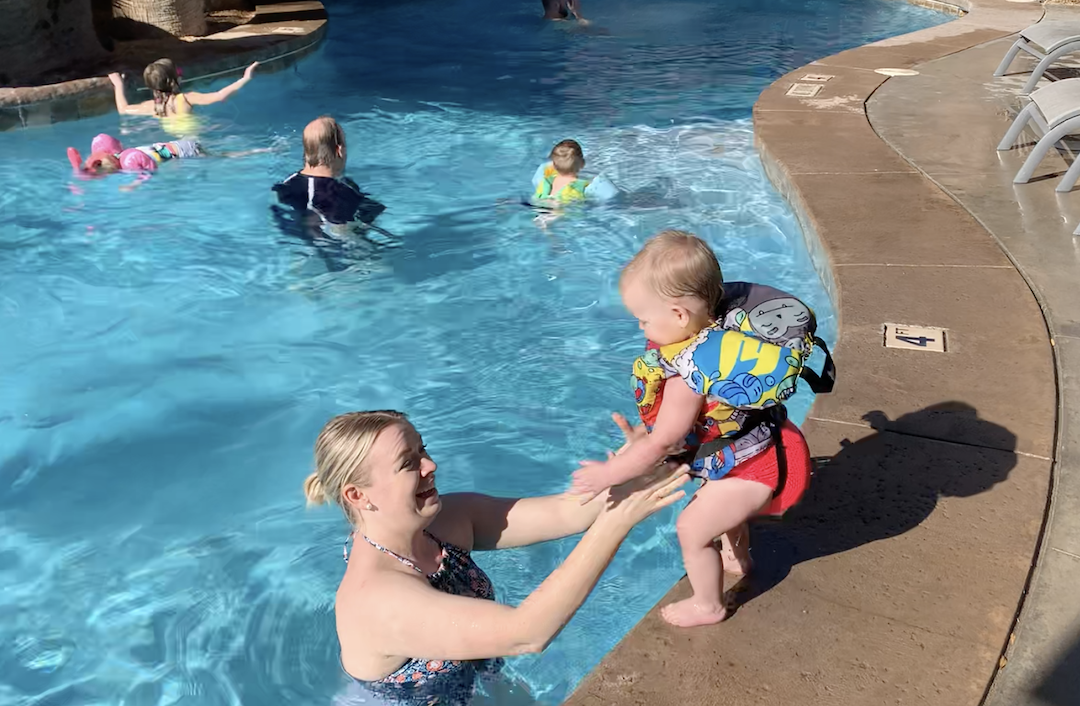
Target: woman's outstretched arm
x=414 y=619
x=502 y=523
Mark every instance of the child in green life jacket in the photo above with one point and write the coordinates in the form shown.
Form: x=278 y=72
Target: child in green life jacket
x=558 y=180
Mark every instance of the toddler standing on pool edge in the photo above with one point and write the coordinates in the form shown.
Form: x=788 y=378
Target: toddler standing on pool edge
x=708 y=396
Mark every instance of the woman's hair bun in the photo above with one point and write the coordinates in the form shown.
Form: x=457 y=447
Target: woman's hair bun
x=313 y=490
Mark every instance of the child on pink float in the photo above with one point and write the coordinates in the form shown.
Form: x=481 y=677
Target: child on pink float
x=108 y=156
x=674 y=287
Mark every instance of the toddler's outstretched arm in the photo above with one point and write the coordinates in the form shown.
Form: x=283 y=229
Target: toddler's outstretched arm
x=678 y=412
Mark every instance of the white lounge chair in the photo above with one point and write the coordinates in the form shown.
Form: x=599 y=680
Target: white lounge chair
x=1053 y=112
x=1047 y=41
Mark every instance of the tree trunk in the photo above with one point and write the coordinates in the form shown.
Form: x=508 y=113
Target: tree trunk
x=41 y=37
x=180 y=18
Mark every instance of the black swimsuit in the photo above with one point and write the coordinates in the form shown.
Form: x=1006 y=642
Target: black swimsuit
x=427 y=682
x=556 y=9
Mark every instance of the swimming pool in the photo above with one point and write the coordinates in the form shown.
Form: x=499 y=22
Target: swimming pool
x=168 y=357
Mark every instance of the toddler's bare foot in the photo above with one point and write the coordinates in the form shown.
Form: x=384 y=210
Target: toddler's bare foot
x=688 y=613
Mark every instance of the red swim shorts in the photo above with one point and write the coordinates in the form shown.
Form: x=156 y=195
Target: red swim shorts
x=763 y=469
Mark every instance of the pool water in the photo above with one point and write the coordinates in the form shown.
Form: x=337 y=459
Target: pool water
x=167 y=356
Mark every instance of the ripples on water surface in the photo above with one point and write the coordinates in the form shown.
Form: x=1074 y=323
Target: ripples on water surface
x=168 y=356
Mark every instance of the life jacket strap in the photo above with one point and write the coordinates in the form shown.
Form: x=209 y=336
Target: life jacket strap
x=821 y=384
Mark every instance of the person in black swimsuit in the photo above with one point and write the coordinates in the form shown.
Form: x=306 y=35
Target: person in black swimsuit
x=416 y=617
x=321 y=204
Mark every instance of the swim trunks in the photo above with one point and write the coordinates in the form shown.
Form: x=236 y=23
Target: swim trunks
x=765 y=469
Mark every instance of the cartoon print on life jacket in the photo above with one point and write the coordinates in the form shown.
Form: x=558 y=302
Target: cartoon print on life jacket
x=779 y=320
x=749 y=360
x=646 y=380
x=716 y=464
x=718 y=420
x=730 y=366
x=769 y=314
x=744 y=390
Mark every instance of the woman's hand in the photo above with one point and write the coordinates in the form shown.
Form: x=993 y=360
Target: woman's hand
x=250 y=70
x=632 y=502
x=117 y=79
x=457 y=627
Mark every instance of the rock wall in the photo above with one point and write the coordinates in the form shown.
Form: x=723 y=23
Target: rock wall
x=39 y=38
x=180 y=18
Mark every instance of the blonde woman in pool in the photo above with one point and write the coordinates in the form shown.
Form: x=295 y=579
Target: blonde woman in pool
x=416 y=617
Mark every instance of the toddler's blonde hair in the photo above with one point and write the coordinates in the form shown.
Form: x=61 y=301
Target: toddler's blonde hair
x=678 y=264
x=340 y=451
x=567 y=157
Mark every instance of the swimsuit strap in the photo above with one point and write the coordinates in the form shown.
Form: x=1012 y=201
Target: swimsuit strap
x=407 y=562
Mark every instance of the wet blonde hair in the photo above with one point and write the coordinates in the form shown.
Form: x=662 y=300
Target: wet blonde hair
x=343 y=445
x=322 y=138
x=678 y=264
x=567 y=157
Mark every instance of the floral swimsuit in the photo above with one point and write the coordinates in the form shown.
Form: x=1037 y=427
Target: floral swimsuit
x=437 y=682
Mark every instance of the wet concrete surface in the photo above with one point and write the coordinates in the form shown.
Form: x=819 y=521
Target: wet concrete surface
x=898 y=578
x=970 y=111
x=895 y=581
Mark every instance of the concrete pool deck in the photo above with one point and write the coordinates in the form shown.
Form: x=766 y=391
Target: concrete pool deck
x=919 y=556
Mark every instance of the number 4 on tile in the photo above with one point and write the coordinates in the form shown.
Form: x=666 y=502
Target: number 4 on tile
x=921 y=341
x=915 y=338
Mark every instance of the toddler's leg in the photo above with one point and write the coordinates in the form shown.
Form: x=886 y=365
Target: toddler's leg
x=719 y=506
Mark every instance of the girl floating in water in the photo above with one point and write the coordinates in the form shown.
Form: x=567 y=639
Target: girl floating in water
x=108 y=156
x=169 y=103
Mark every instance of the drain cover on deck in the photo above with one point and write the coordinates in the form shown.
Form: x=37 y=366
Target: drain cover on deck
x=804 y=90
x=915 y=338
x=821 y=78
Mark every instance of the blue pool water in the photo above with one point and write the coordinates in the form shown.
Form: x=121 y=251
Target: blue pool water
x=167 y=357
